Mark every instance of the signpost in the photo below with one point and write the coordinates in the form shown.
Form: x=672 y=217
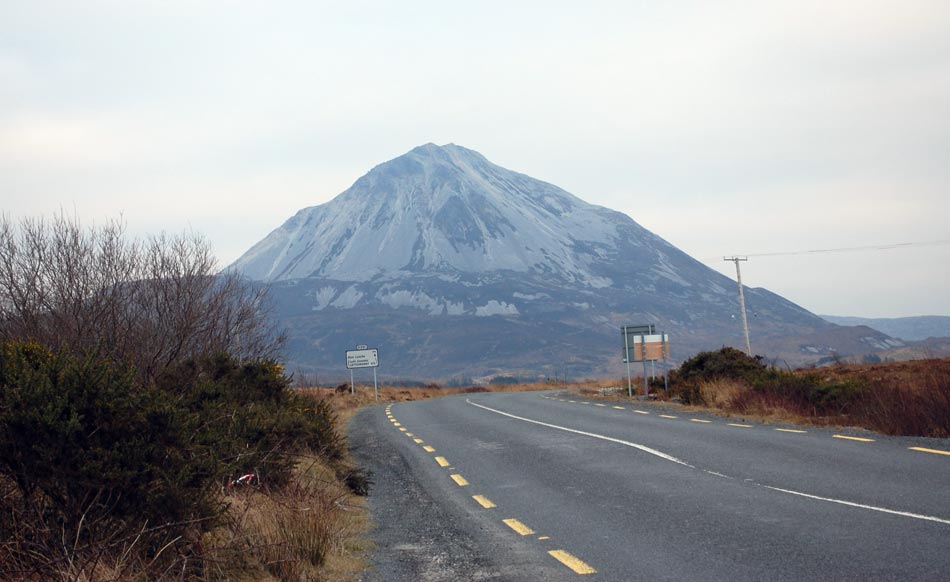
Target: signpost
x=642 y=343
x=363 y=357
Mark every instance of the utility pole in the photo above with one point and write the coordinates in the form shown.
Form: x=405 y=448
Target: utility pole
x=745 y=321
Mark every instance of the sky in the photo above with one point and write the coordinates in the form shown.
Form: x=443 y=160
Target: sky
x=766 y=129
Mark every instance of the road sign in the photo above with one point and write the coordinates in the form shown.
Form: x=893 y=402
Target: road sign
x=362 y=347
x=648 y=347
x=362 y=358
x=632 y=330
x=641 y=343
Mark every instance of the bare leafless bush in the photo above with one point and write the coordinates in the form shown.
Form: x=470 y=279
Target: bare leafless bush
x=149 y=302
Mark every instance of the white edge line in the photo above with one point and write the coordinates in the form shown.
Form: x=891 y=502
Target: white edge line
x=643 y=448
x=861 y=505
x=663 y=455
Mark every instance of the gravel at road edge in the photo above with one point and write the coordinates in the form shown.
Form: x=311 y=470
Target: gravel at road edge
x=421 y=536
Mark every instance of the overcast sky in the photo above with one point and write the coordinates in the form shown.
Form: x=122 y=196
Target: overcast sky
x=725 y=127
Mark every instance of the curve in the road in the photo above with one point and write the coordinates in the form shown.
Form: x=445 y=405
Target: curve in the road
x=673 y=459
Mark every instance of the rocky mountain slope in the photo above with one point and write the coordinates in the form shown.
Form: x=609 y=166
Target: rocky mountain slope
x=451 y=265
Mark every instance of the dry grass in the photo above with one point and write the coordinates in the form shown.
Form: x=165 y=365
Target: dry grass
x=312 y=529
x=346 y=404
x=901 y=398
x=721 y=393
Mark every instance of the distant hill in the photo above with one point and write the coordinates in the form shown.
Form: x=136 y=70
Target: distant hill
x=453 y=266
x=905 y=328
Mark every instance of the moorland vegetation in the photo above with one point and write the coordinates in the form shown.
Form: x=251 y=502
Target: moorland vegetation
x=147 y=431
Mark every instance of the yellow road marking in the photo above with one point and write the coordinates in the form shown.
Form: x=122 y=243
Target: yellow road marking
x=791 y=430
x=700 y=420
x=428 y=449
x=619 y=407
x=484 y=501
x=572 y=562
x=604 y=405
x=402 y=429
x=518 y=526
x=409 y=434
x=851 y=438
x=934 y=451
x=542 y=538
x=418 y=441
x=459 y=480
x=739 y=425
x=441 y=461
x=666 y=416
x=641 y=412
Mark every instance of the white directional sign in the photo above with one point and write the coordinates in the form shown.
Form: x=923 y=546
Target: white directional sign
x=362 y=358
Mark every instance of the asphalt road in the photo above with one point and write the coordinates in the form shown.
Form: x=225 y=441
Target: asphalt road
x=532 y=486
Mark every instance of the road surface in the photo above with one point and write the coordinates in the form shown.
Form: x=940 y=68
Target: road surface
x=545 y=486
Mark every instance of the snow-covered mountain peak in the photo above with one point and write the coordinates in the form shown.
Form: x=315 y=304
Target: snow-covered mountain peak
x=439 y=209
x=454 y=264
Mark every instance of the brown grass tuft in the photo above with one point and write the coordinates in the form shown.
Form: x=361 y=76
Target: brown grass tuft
x=721 y=393
x=309 y=529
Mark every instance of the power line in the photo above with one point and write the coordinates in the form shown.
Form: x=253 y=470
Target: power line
x=879 y=247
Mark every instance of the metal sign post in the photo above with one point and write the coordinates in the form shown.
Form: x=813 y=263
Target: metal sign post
x=626 y=358
x=643 y=356
x=363 y=357
x=630 y=337
x=642 y=343
x=666 y=365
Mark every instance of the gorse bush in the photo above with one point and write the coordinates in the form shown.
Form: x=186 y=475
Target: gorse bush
x=92 y=454
x=137 y=382
x=803 y=393
x=246 y=416
x=726 y=363
x=910 y=398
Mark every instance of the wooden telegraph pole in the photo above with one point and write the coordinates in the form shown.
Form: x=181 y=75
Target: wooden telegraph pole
x=745 y=321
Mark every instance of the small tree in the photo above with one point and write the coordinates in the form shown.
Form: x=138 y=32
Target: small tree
x=150 y=303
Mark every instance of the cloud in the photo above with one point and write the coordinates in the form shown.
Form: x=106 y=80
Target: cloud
x=730 y=126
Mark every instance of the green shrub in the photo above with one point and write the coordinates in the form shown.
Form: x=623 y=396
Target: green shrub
x=726 y=363
x=723 y=364
x=247 y=417
x=98 y=453
x=98 y=459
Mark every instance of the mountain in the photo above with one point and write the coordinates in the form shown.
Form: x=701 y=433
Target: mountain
x=451 y=265
x=906 y=328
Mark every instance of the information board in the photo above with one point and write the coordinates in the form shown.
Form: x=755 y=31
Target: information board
x=362 y=358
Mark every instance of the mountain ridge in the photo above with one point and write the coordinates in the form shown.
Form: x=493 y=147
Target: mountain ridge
x=458 y=265
x=914 y=328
